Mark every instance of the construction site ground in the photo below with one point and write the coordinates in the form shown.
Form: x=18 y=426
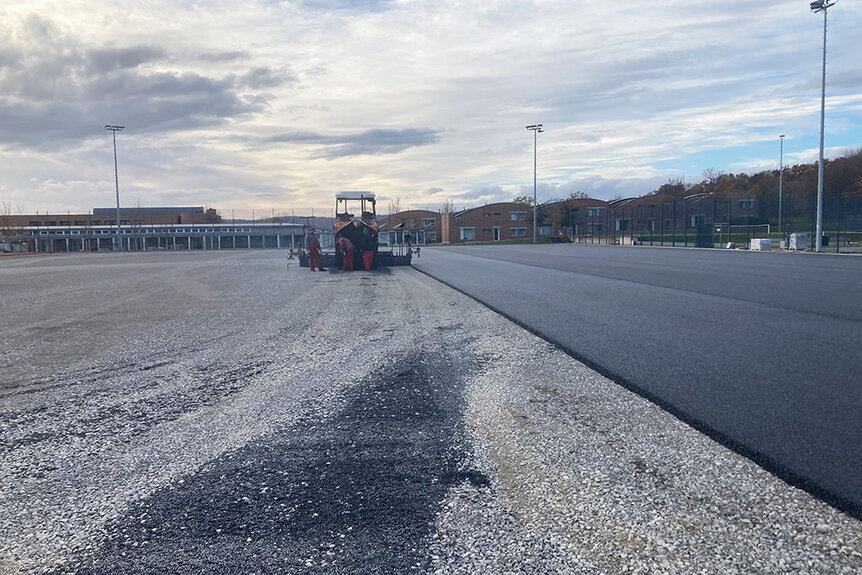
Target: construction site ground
x=232 y=412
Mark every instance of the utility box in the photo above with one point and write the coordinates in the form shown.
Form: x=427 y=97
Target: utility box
x=798 y=242
x=761 y=244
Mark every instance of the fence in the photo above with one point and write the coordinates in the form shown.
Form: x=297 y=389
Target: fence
x=709 y=221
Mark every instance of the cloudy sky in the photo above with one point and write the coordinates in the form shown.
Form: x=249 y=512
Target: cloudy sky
x=276 y=105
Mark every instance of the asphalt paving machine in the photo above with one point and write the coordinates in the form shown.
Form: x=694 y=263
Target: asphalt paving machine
x=352 y=226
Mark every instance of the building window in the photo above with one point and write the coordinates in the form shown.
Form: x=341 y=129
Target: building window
x=34 y=223
x=51 y=223
x=696 y=220
x=546 y=229
x=519 y=232
x=468 y=234
x=65 y=223
x=670 y=224
x=486 y=231
x=595 y=212
x=486 y=215
x=429 y=222
x=623 y=225
x=746 y=204
x=431 y=236
x=594 y=228
x=518 y=216
x=496 y=213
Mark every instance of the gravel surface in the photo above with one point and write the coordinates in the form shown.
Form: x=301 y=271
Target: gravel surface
x=226 y=413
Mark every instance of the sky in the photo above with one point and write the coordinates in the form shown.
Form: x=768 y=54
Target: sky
x=275 y=106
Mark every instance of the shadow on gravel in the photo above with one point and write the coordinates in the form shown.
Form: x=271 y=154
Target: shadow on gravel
x=356 y=492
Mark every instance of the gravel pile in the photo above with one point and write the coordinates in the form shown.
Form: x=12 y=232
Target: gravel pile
x=173 y=382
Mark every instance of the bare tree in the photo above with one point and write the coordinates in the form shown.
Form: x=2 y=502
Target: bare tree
x=395 y=206
x=448 y=207
x=711 y=177
x=7 y=228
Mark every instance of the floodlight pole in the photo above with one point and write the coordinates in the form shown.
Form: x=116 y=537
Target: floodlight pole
x=780 y=169
x=536 y=129
x=114 y=129
x=821 y=6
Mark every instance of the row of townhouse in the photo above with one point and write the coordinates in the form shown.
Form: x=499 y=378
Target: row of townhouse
x=623 y=219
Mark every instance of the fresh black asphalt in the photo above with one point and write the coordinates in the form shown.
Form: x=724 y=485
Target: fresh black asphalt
x=759 y=350
x=356 y=490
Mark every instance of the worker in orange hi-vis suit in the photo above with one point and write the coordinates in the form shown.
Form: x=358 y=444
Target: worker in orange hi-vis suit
x=345 y=247
x=369 y=246
x=312 y=244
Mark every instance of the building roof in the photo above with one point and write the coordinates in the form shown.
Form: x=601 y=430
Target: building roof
x=156 y=210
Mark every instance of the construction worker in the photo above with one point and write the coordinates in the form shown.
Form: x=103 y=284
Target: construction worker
x=312 y=244
x=345 y=248
x=368 y=245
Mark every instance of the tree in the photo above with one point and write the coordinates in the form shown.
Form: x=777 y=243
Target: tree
x=5 y=212
x=448 y=207
x=526 y=200
x=211 y=215
x=855 y=189
x=674 y=188
x=395 y=206
x=578 y=196
x=711 y=176
x=8 y=229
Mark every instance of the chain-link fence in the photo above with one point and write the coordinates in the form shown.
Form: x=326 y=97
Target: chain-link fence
x=707 y=220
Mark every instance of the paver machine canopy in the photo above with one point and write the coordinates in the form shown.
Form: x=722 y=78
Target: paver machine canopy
x=349 y=204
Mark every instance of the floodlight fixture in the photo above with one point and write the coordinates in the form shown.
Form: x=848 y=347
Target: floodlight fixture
x=780 y=170
x=821 y=6
x=118 y=243
x=536 y=129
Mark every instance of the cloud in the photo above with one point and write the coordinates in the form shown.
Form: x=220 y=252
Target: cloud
x=371 y=142
x=353 y=5
x=264 y=77
x=228 y=56
x=59 y=92
x=107 y=60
